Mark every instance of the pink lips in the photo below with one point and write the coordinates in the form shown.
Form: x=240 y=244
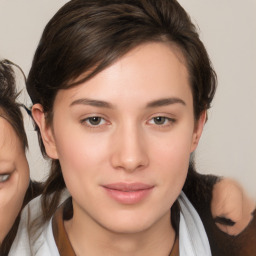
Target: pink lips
x=128 y=193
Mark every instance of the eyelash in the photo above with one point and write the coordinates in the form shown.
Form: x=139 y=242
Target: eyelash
x=93 y=126
x=167 y=121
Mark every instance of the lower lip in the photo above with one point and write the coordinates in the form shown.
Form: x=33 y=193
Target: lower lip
x=130 y=197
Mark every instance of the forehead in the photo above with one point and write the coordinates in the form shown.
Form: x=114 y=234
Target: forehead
x=149 y=70
x=8 y=137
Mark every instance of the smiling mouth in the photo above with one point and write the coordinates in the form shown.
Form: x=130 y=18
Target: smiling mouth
x=128 y=193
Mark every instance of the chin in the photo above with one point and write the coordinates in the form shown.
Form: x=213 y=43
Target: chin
x=128 y=229
x=129 y=224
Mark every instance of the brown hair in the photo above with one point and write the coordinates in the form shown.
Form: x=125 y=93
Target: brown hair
x=9 y=107
x=86 y=36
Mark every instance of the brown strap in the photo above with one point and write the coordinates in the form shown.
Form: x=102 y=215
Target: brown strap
x=175 y=248
x=60 y=235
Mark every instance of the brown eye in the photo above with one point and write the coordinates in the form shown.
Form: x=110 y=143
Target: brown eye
x=159 y=120
x=162 y=121
x=95 y=120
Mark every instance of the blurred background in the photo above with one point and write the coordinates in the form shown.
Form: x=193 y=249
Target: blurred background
x=227 y=28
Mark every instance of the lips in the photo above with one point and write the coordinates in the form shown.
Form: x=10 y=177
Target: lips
x=127 y=187
x=128 y=193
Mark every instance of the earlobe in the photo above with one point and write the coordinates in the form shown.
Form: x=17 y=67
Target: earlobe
x=45 y=130
x=199 y=126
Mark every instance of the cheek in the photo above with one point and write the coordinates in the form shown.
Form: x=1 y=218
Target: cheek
x=173 y=166
x=171 y=158
x=80 y=149
x=14 y=189
x=173 y=149
x=82 y=156
x=12 y=195
x=22 y=180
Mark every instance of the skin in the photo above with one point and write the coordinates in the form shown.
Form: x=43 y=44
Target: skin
x=127 y=145
x=14 y=176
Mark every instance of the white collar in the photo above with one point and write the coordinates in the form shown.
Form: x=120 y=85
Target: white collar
x=193 y=240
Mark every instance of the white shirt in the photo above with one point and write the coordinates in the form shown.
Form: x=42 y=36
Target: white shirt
x=193 y=240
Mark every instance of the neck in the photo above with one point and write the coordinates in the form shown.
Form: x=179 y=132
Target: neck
x=91 y=238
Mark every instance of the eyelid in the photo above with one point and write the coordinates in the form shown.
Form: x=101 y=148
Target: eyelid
x=85 y=119
x=171 y=120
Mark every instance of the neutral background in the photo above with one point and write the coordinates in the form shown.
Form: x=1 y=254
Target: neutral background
x=228 y=29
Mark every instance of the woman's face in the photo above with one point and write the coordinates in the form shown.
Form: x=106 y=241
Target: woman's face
x=124 y=139
x=14 y=176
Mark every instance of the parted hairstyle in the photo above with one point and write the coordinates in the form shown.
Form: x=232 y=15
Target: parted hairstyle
x=86 y=36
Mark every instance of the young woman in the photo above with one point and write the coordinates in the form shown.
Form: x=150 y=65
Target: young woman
x=120 y=92
x=15 y=188
x=13 y=143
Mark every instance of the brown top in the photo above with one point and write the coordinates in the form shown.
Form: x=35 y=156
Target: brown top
x=60 y=235
x=62 y=241
x=175 y=248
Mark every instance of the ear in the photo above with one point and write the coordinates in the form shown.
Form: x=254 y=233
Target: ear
x=199 y=125
x=45 y=130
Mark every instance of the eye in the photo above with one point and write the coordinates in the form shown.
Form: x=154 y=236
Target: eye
x=161 y=120
x=4 y=177
x=94 y=121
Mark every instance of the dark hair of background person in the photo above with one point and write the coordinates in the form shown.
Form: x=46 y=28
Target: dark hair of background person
x=9 y=108
x=86 y=36
x=10 y=111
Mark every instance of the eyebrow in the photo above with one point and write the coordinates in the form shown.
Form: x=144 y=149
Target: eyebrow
x=104 y=104
x=165 y=102
x=91 y=102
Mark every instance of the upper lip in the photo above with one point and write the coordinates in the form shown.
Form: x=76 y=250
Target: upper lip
x=126 y=187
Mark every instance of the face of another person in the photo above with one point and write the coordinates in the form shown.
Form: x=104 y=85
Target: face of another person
x=14 y=176
x=124 y=139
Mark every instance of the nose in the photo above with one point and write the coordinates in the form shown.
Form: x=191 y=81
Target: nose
x=129 y=151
